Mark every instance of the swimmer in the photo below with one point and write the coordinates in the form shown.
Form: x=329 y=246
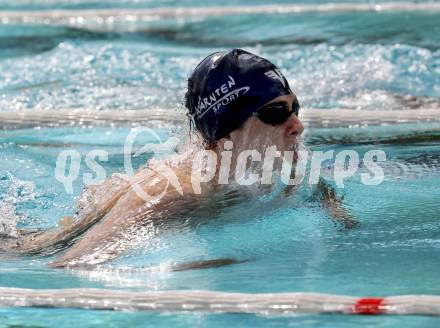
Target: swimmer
x=236 y=101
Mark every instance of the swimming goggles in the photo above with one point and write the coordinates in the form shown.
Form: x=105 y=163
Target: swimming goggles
x=277 y=113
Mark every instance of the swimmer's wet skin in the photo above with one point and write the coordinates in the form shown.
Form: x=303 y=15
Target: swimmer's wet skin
x=234 y=96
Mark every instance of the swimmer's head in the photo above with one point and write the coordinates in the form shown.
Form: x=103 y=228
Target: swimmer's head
x=228 y=89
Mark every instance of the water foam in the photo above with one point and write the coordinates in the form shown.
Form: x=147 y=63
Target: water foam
x=18 y=191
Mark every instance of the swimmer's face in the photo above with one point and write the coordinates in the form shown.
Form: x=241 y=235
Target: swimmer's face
x=255 y=134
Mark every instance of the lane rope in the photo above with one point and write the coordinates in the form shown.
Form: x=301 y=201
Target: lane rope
x=218 y=302
x=108 y=16
x=311 y=117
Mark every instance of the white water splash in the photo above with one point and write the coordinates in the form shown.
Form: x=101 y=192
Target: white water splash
x=18 y=192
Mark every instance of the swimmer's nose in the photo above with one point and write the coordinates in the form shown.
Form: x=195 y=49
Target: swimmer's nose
x=293 y=126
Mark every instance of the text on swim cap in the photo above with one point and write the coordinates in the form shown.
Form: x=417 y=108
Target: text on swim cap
x=220 y=97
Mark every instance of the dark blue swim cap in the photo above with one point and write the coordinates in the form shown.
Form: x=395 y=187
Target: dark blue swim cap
x=226 y=89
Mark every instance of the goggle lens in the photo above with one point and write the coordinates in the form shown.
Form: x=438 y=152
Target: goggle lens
x=277 y=113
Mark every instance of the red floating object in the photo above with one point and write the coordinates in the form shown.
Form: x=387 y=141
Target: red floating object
x=371 y=305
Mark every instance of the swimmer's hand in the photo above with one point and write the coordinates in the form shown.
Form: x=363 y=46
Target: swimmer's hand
x=65 y=222
x=207 y=264
x=334 y=206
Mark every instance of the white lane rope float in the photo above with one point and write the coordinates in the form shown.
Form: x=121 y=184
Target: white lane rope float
x=106 y=16
x=218 y=302
x=212 y=301
x=311 y=117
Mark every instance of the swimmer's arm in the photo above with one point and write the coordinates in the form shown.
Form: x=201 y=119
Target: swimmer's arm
x=335 y=207
x=130 y=215
x=69 y=229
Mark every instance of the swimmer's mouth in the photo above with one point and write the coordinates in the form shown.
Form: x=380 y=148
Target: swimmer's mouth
x=295 y=148
x=295 y=155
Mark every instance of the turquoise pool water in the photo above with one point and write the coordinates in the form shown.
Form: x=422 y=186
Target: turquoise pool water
x=365 y=61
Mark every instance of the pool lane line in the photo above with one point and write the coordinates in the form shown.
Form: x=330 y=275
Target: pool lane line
x=325 y=118
x=150 y=14
x=218 y=302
